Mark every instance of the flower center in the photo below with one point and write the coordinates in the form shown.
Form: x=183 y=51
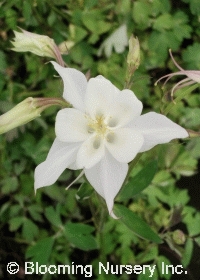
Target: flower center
x=98 y=125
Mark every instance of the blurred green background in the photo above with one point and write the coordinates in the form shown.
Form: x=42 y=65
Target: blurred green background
x=54 y=227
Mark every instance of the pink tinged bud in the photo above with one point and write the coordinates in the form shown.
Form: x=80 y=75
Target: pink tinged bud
x=40 y=45
x=26 y=111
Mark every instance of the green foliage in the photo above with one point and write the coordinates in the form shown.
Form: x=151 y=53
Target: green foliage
x=56 y=226
x=41 y=251
x=191 y=56
x=79 y=235
x=139 y=182
x=194 y=6
x=133 y=222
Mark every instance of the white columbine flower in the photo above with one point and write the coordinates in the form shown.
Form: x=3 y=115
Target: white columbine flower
x=101 y=133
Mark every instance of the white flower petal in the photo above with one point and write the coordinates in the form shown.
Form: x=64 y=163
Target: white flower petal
x=125 y=107
x=124 y=144
x=157 y=129
x=90 y=152
x=71 y=125
x=118 y=39
x=100 y=94
x=60 y=156
x=75 y=84
x=107 y=177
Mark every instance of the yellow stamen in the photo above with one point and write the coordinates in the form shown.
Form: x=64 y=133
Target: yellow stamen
x=98 y=125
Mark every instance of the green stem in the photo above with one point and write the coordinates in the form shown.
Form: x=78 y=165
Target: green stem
x=99 y=218
x=100 y=230
x=128 y=79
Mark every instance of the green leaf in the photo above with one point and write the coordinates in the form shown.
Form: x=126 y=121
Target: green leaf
x=158 y=44
x=181 y=29
x=160 y=7
x=29 y=230
x=163 y=22
x=52 y=18
x=138 y=183
x=197 y=240
x=11 y=18
x=3 y=63
x=194 y=6
x=84 y=192
x=27 y=11
x=10 y=184
x=94 y=21
x=192 y=117
x=41 y=251
x=188 y=252
x=140 y=14
x=79 y=235
x=53 y=216
x=20 y=166
x=123 y=7
x=191 y=55
x=148 y=255
x=192 y=222
x=77 y=33
x=136 y=224
x=193 y=147
x=35 y=211
x=15 y=223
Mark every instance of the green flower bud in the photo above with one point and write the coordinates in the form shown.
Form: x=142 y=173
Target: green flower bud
x=38 y=44
x=133 y=58
x=178 y=237
x=26 y=111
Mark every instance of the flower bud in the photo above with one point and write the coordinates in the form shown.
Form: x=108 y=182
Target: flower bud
x=178 y=237
x=26 y=111
x=38 y=44
x=133 y=58
x=192 y=133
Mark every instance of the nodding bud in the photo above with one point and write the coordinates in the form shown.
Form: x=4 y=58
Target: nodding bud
x=26 y=111
x=40 y=45
x=133 y=58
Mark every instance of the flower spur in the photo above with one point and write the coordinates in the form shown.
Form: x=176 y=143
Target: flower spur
x=193 y=76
